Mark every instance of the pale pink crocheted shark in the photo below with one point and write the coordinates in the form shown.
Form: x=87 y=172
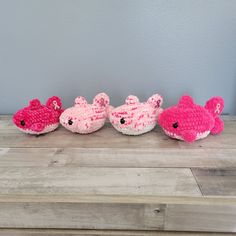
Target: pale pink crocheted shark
x=134 y=117
x=189 y=122
x=38 y=118
x=84 y=118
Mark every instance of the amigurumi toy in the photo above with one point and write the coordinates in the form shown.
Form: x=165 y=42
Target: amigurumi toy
x=37 y=118
x=134 y=118
x=86 y=118
x=189 y=122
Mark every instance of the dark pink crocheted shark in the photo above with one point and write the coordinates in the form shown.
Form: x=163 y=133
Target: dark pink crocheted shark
x=189 y=122
x=37 y=118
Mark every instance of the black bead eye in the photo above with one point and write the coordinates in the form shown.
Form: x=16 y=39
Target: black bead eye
x=70 y=122
x=22 y=123
x=122 y=121
x=175 y=125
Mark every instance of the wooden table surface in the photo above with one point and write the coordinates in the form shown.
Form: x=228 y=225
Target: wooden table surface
x=109 y=181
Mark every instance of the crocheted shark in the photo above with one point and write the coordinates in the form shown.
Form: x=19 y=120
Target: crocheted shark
x=189 y=122
x=37 y=118
x=86 y=118
x=134 y=117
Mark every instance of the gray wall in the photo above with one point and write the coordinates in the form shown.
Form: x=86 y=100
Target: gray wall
x=122 y=47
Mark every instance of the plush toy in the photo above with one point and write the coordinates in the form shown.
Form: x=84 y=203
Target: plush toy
x=86 y=118
x=134 y=118
x=37 y=118
x=189 y=122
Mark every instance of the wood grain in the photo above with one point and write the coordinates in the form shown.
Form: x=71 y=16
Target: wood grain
x=81 y=216
x=116 y=157
x=133 y=181
x=184 y=217
x=107 y=181
x=216 y=182
x=117 y=212
x=201 y=218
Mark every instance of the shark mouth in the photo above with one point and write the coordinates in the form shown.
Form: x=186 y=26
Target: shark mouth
x=47 y=129
x=200 y=135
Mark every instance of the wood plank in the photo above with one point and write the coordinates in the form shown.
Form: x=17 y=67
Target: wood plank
x=80 y=216
x=74 y=180
x=12 y=137
x=118 y=212
x=117 y=157
x=66 y=232
x=142 y=183
x=217 y=218
x=216 y=182
x=125 y=216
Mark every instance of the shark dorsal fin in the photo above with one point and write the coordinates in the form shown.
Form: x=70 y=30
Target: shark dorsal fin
x=131 y=100
x=34 y=104
x=186 y=102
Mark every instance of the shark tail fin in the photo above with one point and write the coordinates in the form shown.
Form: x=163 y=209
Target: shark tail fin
x=215 y=106
x=101 y=100
x=54 y=103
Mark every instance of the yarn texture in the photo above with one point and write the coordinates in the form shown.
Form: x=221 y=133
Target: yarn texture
x=84 y=118
x=189 y=122
x=135 y=118
x=37 y=118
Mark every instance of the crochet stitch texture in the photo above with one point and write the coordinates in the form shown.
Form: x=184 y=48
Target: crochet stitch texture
x=84 y=118
x=37 y=118
x=189 y=122
x=135 y=118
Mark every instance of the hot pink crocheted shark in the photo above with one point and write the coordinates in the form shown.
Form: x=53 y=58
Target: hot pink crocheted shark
x=37 y=118
x=189 y=122
x=84 y=118
x=134 y=117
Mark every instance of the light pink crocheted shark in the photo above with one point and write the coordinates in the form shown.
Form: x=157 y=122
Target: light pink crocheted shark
x=134 y=118
x=86 y=118
x=189 y=122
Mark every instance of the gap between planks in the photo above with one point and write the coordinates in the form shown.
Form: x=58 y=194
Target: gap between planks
x=68 y=232
x=196 y=181
x=117 y=199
